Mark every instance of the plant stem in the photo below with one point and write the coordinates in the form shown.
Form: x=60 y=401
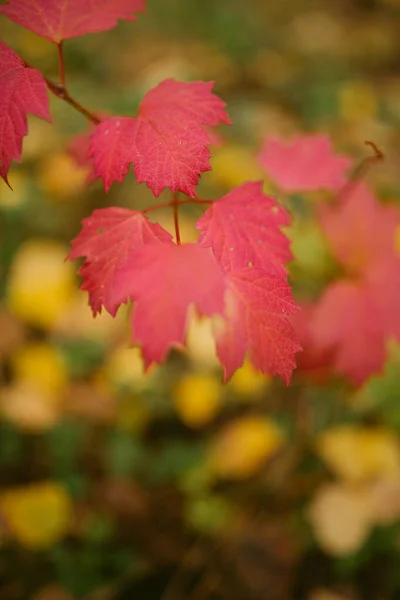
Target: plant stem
x=61 y=68
x=59 y=90
x=176 y=202
x=360 y=171
x=175 y=206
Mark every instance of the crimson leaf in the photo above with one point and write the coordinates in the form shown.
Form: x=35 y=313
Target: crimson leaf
x=243 y=229
x=110 y=240
x=58 y=20
x=22 y=91
x=166 y=142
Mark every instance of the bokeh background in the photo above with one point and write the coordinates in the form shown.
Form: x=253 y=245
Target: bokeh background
x=170 y=485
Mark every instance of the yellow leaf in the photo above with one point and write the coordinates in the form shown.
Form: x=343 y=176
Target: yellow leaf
x=247 y=381
x=40 y=365
x=61 y=177
x=38 y=515
x=357 y=453
x=233 y=165
x=341 y=518
x=244 y=446
x=200 y=342
x=125 y=368
x=19 y=193
x=197 y=399
x=41 y=284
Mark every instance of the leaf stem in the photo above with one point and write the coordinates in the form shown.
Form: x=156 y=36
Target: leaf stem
x=61 y=68
x=176 y=202
x=61 y=92
x=175 y=206
x=360 y=171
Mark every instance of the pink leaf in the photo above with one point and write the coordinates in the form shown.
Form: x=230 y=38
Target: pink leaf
x=304 y=163
x=22 y=90
x=58 y=20
x=111 y=239
x=166 y=142
x=257 y=310
x=243 y=229
x=346 y=320
x=164 y=281
x=360 y=230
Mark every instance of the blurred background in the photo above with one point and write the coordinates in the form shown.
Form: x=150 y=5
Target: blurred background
x=170 y=485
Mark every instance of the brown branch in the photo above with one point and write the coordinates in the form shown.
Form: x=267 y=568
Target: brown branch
x=59 y=90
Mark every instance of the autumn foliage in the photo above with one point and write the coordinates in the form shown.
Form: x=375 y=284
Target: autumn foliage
x=236 y=274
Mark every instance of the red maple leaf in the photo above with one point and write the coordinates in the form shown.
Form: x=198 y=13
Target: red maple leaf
x=304 y=163
x=58 y=20
x=166 y=142
x=256 y=322
x=164 y=281
x=110 y=240
x=360 y=230
x=22 y=90
x=355 y=317
x=243 y=229
x=347 y=320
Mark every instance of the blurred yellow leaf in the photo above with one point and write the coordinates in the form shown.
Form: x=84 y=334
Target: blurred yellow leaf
x=197 y=398
x=233 y=165
x=200 y=342
x=38 y=515
x=18 y=195
x=341 y=518
x=358 y=453
x=247 y=381
x=42 y=138
x=41 y=283
x=125 y=368
x=28 y=407
x=244 y=445
x=40 y=365
x=60 y=176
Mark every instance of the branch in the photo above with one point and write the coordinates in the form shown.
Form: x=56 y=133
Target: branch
x=59 y=90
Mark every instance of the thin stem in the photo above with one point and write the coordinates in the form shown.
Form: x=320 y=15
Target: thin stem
x=157 y=206
x=175 y=206
x=61 y=68
x=198 y=201
x=176 y=202
x=60 y=91
x=360 y=171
